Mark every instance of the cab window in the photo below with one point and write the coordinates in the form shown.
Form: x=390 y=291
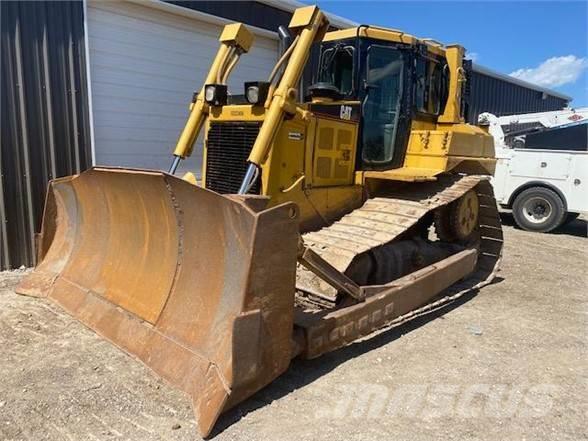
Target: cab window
x=381 y=106
x=431 y=86
x=336 y=67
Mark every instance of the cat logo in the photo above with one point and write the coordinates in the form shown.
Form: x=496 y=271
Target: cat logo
x=345 y=113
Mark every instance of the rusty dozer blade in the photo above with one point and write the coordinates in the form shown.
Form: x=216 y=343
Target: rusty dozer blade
x=198 y=286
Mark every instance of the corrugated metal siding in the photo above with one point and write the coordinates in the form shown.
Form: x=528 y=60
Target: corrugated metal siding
x=249 y=12
x=45 y=124
x=500 y=97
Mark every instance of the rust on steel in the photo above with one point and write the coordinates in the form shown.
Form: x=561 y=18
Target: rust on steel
x=380 y=221
x=201 y=287
x=417 y=293
x=193 y=284
x=336 y=328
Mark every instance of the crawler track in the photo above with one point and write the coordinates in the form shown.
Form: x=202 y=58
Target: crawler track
x=395 y=215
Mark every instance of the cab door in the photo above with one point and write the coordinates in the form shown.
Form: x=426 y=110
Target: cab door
x=385 y=113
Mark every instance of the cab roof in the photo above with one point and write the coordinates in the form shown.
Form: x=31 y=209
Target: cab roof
x=385 y=34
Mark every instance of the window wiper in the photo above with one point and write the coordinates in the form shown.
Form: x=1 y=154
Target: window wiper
x=328 y=60
x=335 y=60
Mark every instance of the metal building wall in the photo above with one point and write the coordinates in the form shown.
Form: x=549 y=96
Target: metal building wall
x=44 y=121
x=253 y=13
x=501 y=97
x=249 y=12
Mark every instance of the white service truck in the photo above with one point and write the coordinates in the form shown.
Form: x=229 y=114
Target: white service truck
x=542 y=166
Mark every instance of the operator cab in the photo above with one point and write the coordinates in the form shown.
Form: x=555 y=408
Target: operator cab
x=389 y=84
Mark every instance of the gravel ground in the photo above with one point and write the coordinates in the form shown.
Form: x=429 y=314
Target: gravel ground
x=508 y=363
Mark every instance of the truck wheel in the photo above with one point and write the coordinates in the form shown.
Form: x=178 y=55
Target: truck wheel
x=538 y=209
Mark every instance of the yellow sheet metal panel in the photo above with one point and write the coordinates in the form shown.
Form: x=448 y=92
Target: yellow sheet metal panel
x=427 y=149
x=284 y=166
x=190 y=177
x=452 y=112
x=435 y=149
x=405 y=174
x=340 y=34
x=384 y=34
x=240 y=112
x=371 y=32
x=334 y=152
x=471 y=166
x=237 y=34
x=387 y=34
x=469 y=140
x=289 y=173
x=425 y=161
x=303 y=17
x=467 y=144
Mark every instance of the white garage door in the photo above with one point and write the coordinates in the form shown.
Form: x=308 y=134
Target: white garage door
x=144 y=66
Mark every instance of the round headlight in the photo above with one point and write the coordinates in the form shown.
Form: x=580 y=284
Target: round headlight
x=253 y=94
x=209 y=92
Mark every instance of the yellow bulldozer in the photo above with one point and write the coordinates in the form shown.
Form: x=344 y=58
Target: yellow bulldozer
x=317 y=220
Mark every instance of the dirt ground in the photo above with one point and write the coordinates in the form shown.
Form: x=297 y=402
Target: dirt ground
x=509 y=363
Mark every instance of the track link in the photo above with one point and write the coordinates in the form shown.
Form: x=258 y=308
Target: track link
x=389 y=217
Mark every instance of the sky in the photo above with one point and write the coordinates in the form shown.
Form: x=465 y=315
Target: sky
x=543 y=42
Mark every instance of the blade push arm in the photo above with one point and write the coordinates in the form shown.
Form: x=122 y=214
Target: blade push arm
x=235 y=40
x=309 y=24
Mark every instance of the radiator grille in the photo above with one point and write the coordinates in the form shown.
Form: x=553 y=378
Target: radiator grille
x=227 y=149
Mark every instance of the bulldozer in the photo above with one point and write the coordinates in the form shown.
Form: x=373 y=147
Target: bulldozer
x=317 y=220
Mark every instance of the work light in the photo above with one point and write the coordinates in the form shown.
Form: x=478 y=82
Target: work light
x=215 y=94
x=256 y=92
